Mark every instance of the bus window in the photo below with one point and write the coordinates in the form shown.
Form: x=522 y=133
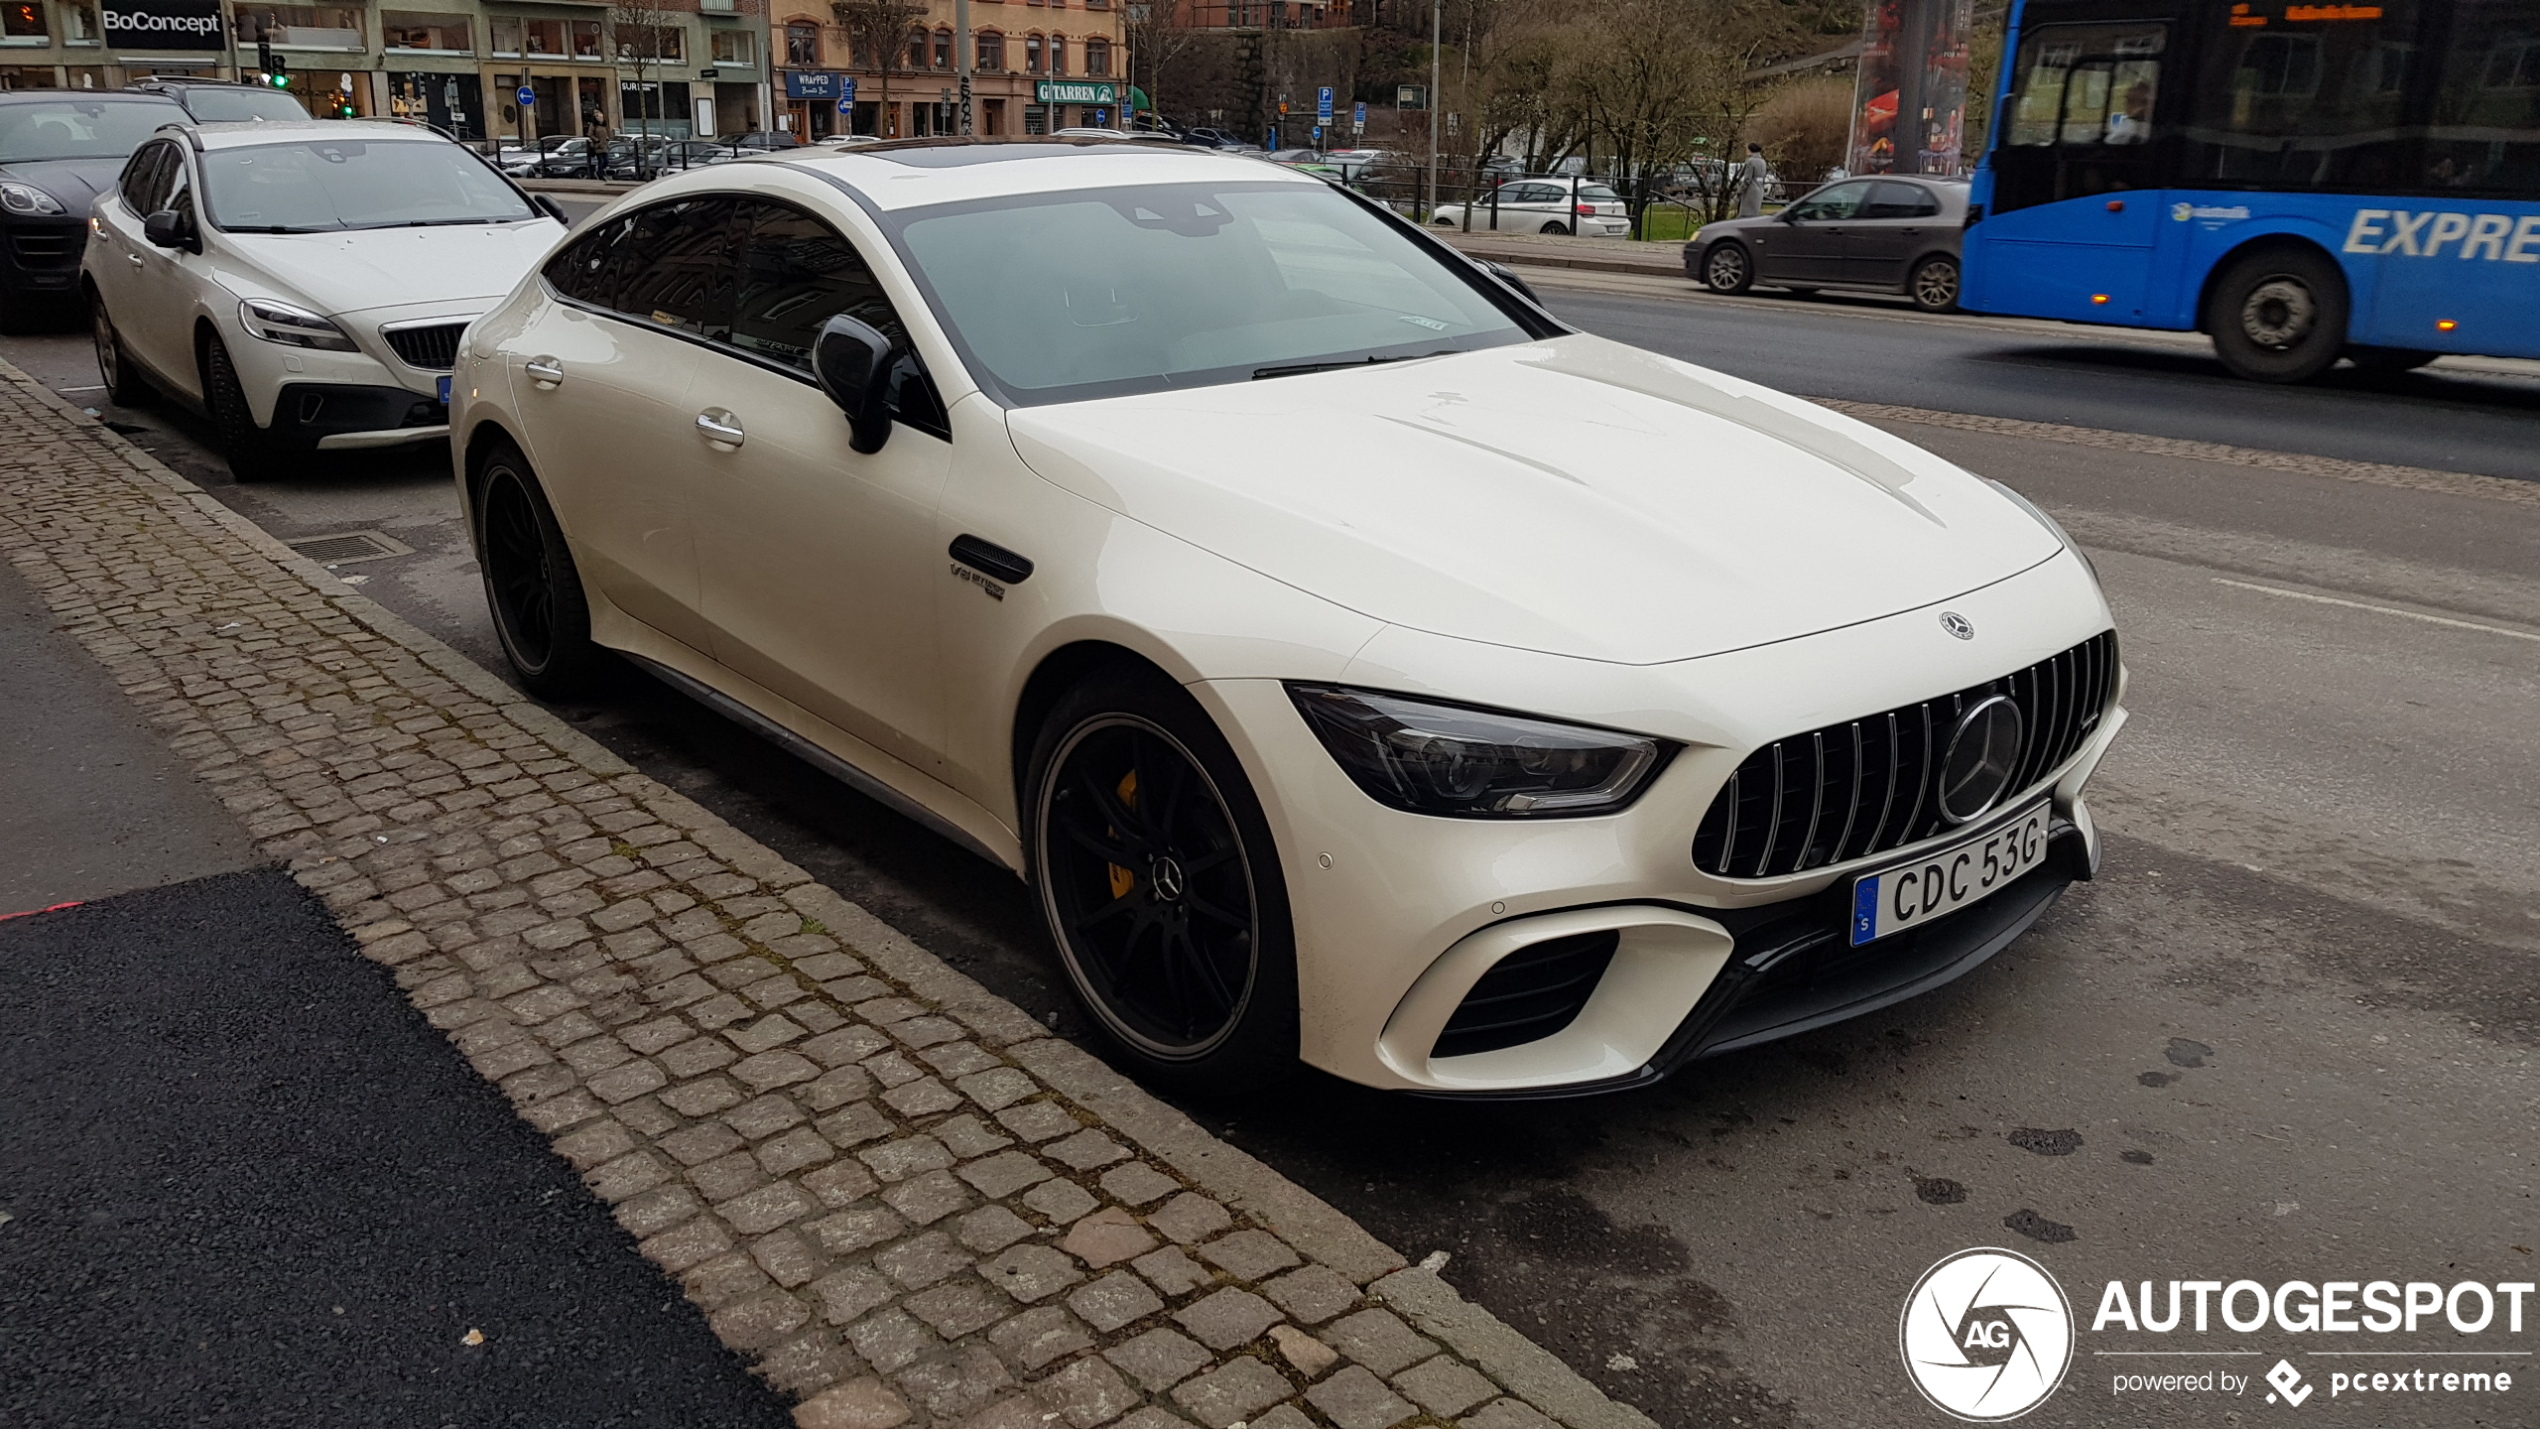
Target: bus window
x=2485 y=134
x=2082 y=114
x=2310 y=103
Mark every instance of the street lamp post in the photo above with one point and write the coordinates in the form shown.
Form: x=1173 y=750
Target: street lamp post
x=962 y=57
x=1437 y=33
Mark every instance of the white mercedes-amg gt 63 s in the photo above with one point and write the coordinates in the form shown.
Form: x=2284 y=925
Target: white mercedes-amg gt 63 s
x=1359 y=664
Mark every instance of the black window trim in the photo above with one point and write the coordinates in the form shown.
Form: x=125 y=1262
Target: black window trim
x=941 y=431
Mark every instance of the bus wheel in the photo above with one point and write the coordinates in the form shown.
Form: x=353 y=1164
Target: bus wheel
x=2389 y=359
x=1934 y=286
x=2278 y=315
x=1725 y=269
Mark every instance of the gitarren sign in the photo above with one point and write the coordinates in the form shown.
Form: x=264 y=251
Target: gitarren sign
x=163 y=24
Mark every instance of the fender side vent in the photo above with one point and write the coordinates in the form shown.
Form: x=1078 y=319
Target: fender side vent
x=1528 y=995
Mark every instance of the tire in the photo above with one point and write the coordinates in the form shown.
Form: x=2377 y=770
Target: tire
x=2278 y=315
x=1555 y=227
x=1160 y=883
x=532 y=587
x=1934 y=284
x=2389 y=359
x=1726 y=268
x=250 y=450
x=125 y=387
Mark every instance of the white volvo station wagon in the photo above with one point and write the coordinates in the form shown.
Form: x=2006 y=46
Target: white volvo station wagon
x=1359 y=664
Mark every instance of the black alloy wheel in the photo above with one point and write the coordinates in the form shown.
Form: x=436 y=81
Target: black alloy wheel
x=1157 y=879
x=124 y=386
x=1556 y=227
x=1934 y=287
x=1725 y=268
x=540 y=614
x=2278 y=315
x=250 y=450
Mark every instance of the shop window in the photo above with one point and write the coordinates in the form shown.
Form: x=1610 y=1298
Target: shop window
x=14 y=77
x=423 y=30
x=991 y=56
x=1098 y=58
x=1036 y=120
x=1032 y=55
x=1058 y=54
x=734 y=47
x=943 y=49
x=22 y=23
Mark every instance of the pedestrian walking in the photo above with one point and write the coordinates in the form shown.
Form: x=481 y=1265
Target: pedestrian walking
x=1753 y=175
x=595 y=127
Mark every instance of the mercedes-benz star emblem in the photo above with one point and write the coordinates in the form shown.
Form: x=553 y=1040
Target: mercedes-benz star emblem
x=1977 y=763
x=1167 y=877
x=1957 y=625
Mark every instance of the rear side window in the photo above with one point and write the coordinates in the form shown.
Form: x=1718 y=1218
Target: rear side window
x=580 y=270
x=145 y=179
x=670 y=265
x=1891 y=200
x=796 y=273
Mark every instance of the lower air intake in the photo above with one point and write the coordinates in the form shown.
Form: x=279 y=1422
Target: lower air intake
x=1528 y=995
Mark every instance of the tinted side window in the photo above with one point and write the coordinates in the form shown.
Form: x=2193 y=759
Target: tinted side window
x=677 y=267
x=797 y=273
x=1840 y=201
x=145 y=178
x=581 y=269
x=1889 y=200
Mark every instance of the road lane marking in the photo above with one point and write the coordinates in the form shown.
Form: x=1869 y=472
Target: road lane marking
x=2380 y=609
x=2407 y=478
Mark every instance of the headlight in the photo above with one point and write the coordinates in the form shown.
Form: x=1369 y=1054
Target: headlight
x=1467 y=763
x=27 y=198
x=296 y=327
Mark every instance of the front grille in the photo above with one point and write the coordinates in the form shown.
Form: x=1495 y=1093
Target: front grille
x=41 y=249
x=1528 y=995
x=1867 y=786
x=431 y=349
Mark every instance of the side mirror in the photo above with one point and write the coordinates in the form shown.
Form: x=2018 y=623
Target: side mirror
x=1508 y=275
x=551 y=208
x=853 y=365
x=168 y=229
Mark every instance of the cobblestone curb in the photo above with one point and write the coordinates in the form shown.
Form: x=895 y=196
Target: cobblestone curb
x=894 y=1191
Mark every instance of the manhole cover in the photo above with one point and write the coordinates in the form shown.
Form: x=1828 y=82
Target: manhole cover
x=346 y=547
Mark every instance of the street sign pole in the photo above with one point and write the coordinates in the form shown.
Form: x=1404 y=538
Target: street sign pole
x=1437 y=33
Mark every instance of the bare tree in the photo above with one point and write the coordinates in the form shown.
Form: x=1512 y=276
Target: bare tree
x=880 y=28
x=1156 y=38
x=638 y=29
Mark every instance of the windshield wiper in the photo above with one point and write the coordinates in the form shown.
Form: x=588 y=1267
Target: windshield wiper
x=1299 y=369
x=268 y=228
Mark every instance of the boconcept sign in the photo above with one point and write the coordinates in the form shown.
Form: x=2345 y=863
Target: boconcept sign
x=163 y=24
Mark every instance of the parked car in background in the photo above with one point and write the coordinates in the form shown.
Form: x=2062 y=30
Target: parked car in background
x=1888 y=235
x=59 y=149
x=533 y=162
x=770 y=140
x=840 y=141
x=216 y=101
x=1295 y=156
x=1582 y=206
x=304 y=285
x=1089 y=131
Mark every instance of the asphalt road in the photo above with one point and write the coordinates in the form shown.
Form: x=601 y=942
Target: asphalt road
x=2287 y=1035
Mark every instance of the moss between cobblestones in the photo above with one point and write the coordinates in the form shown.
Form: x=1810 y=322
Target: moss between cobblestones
x=869 y=1174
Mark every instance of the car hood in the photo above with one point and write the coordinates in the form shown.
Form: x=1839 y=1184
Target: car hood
x=76 y=183
x=359 y=269
x=1572 y=496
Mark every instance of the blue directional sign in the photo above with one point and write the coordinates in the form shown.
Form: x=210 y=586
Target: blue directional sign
x=528 y=97
x=1318 y=136
x=1323 y=104
x=1359 y=120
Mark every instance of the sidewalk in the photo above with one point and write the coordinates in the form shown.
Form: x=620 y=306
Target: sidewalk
x=1555 y=250
x=895 y=1192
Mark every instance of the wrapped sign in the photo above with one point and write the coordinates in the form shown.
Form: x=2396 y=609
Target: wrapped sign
x=163 y=24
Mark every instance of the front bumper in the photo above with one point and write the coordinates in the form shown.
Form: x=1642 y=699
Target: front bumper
x=326 y=416
x=1398 y=916
x=39 y=257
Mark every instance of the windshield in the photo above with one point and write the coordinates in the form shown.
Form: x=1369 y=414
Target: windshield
x=1185 y=285
x=80 y=128
x=224 y=106
x=316 y=185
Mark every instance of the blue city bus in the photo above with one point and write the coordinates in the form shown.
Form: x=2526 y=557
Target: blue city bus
x=2301 y=181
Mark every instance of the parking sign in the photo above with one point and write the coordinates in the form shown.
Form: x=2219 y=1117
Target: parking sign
x=1358 y=120
x=1323 y=104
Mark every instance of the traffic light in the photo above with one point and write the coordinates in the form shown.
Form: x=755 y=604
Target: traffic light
x=279 y=79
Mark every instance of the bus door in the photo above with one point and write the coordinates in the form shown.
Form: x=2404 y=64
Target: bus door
x=2077 y=175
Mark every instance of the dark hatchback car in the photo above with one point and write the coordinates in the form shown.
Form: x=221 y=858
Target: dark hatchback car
x=216 y=101
x=1886 y=235
x=59 y=149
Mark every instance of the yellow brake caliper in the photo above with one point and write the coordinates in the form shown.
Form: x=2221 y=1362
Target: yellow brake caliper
x=1122 y=880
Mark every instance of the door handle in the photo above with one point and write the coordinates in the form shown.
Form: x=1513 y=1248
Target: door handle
x=133 y=258
x=545 y=371
x=720 y=426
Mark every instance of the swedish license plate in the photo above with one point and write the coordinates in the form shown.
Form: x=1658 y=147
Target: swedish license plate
x=445 y=391
x=1912 y=894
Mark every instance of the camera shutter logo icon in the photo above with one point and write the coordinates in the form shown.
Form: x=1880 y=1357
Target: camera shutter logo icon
x=1987 y=1335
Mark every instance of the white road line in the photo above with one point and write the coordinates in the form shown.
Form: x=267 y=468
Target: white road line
x=2381 y=610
